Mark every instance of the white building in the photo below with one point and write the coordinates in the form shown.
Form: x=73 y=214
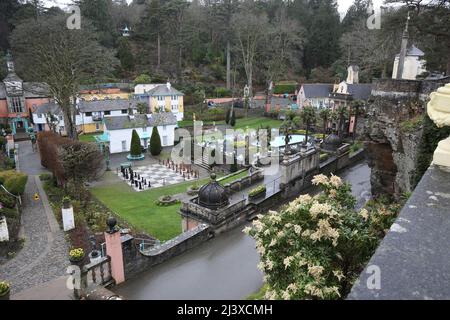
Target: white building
x=89 y=118
x=413 y=65
x=118 y=130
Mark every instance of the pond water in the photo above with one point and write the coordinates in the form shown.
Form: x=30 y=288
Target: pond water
x=222 y=268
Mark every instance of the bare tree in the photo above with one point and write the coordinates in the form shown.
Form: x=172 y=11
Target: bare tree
x=250 y=29
x=47 y=51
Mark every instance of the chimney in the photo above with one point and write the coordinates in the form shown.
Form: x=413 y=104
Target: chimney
x=168 y=85
x=352 y=74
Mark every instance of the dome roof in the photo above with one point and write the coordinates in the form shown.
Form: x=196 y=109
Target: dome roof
x=332 y=142
x=212 y=195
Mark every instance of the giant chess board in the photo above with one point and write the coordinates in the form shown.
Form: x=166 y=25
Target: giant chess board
x=153 y=176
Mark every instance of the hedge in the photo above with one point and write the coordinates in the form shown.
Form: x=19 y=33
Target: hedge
x=7 y=200
x=16 y=184
x=284 y=88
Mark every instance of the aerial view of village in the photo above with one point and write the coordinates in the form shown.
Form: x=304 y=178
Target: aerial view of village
x=220 y=150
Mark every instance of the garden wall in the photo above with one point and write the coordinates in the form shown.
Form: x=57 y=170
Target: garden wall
x=136 y=262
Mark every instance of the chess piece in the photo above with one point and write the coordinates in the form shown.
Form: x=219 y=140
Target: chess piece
x=140 y=185
x=136 y=183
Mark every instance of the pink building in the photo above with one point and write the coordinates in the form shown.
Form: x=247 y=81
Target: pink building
x=19 y=99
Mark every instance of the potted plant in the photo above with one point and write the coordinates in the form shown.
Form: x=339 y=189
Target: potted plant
x=95 y=256
x=5 y=289
x=76 y=256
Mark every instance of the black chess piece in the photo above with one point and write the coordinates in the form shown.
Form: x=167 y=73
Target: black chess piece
x=135 y=183
x=149 y=185
x=140 y=185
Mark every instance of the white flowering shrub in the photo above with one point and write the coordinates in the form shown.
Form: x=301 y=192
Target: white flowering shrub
x=314 y=247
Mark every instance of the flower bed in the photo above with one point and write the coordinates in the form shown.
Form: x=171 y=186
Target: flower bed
x=193 y=190
x=166 y=200
x=259 y=191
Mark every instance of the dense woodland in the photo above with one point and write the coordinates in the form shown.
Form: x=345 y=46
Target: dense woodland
x=228 y=43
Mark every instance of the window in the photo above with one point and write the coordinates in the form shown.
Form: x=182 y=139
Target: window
x=107 y=113
x=97 y=126
x=39 y=115
x=174 y=97
x=144 y=129
x=124 y=145
x=164 y=142
x=61 y=118
x=160 y=98
x=174 y=107
x=88 y=114
x=16 y=104
x=124 y=111
x=164 y=127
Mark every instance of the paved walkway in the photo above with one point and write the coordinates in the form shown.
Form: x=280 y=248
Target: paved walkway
x=44 y=255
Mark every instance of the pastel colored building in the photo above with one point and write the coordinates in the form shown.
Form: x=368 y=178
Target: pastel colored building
x=161 y=97
x=19 y=99
x=90 y=114
x=118 y=130
x=106 y=93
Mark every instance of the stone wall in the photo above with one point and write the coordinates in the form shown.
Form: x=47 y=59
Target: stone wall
x=136 y=262
x=244 y=182
x=392 y=150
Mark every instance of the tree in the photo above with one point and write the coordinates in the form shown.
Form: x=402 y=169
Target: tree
x=341 y=113
x=232 y=119
x=52 y=121
x=308 y=115
x=355 y=109
x=431 y=19
x=227 y=116
x=81 y=162
x=155 y=142
x=250 y=29
x=142 y=79
x=154 y=24
x=141 y=108
x=325 y=114
x=322 y=35
x=125 y=55
x=135 y=148
x=47 y=51
x=99 y=12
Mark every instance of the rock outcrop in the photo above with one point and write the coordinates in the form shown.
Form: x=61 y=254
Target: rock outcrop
x=393 y=131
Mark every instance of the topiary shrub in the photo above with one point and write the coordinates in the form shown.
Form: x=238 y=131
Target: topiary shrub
x=135 y=148
x=155 y=142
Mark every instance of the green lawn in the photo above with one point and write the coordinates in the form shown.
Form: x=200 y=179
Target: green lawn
x=242 y=123
x=139 y=208
x=234 y=177
x=88 y=137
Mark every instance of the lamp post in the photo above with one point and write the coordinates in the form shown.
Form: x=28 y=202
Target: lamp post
x=439 y=111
